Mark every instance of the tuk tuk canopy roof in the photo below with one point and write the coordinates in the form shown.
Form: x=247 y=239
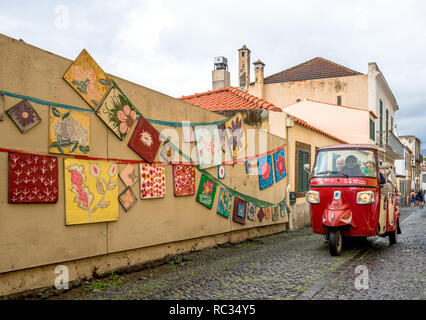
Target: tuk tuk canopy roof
x=354 y=146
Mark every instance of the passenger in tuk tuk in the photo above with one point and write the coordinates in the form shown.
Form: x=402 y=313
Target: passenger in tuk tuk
x=371 y=171
x=352 y=168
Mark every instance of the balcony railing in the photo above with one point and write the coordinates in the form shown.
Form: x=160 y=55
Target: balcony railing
x=390 y=142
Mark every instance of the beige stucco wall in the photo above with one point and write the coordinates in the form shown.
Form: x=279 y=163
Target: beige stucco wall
x=352 y=89
x=35 y=235
x=358 y=130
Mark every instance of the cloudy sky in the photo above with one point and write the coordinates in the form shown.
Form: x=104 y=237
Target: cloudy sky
x=169 y=45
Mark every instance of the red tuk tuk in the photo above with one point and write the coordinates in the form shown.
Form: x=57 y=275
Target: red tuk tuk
x=350 y=195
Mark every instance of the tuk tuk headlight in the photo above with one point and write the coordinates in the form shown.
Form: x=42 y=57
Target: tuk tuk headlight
x=313 y=196
x=365 y=197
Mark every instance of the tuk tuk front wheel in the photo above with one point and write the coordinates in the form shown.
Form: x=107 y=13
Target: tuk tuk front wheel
x=335 y=241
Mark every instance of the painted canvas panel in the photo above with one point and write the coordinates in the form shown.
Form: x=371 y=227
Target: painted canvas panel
x=127 y=199
x=1 y=106
x=251 y=211
x=88 y=79
x=283 y=209
x=267 y=212
x=225 y=203
x=275 y=213
x=184 y=180
x=129 y=175
x=187 y=132
x=145 y=140
x=24 y=115
x=221 y=172
x=117 y=113
x=91 y=191
x=224 y=141
x=69 y=132
x=208 y=146
x=240 y=211
x=266 y=175
x=261 y=214
x=32 y=178
x=206 y=191
x=153 y=180
x=236 y=134
x=279 y=164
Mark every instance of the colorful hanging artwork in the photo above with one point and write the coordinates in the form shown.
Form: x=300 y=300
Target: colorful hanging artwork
x=251 y=211
x=168 y=154
x=249 y=166
x=240 y=209
x=224 y=142
x=91 y=191
x=127 y=199
x=117 y=113
x=129 y=175
x=266 y=175
x=236 y=134
x=260 y=214
x=275 y=213
x=208 y=146
x=184 y=180
x=69 y=132
x=88 y=79
x=24 y=115
x=279 y=164
x=32 y=178
x=221 y=172
x=153 y=180
x=187 y=132
x=283 y=209
x=1 y=106
x=225 y=203
x=267 y=212
x=145 y=140
x=206 y=191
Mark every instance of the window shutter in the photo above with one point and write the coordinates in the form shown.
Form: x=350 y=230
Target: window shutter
x=299 y=170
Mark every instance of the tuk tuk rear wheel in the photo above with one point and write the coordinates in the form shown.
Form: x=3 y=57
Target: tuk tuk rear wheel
x=393 y=235
x=335 y=241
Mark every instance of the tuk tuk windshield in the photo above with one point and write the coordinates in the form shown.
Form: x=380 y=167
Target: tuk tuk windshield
x=345 y=163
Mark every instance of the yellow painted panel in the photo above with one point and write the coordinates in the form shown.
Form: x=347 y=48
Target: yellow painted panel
x=91 y=191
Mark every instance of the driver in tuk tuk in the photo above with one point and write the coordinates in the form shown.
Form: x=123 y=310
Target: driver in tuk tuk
x=352 y=168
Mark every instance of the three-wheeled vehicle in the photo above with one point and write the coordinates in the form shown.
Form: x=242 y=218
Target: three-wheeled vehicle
x=351 y=195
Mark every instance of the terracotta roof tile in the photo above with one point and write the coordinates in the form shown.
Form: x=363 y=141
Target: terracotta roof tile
x=229 y=98
x=317 y=68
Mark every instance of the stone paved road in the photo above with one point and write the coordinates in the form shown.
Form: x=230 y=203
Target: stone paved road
x=287 y=266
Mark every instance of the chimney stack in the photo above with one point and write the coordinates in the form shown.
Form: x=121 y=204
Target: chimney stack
x=220 y=75
x=259 y=77
x=244 y=68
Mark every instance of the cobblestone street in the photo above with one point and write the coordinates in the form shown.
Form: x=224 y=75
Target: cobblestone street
x=284 y=266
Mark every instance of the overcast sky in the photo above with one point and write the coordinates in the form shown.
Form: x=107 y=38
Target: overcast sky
x=169 y=45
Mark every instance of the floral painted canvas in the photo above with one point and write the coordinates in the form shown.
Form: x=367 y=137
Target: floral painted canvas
x=240 y=209
x=88 y=79
x=145 y=140
x=275 y=213
x=266 y=175
x=117 y=113
x=225 y=203
x=221 y=172
x=32 y=178
x=206 y=191
x=69 y=132
x=24 y=115
x=91 y=191
x=236 y=134
x=268 y=212
x=184 y=180
x=127 y=199
x=208 y=146
x=279 y=163
x=153 y=180
x=251 y=211
x=128 y=175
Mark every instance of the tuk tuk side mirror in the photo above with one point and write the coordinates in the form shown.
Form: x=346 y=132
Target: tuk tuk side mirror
x=307 y=167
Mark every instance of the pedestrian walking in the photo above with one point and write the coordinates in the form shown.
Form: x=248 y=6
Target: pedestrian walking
x=412 y=198
x=420 y=198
